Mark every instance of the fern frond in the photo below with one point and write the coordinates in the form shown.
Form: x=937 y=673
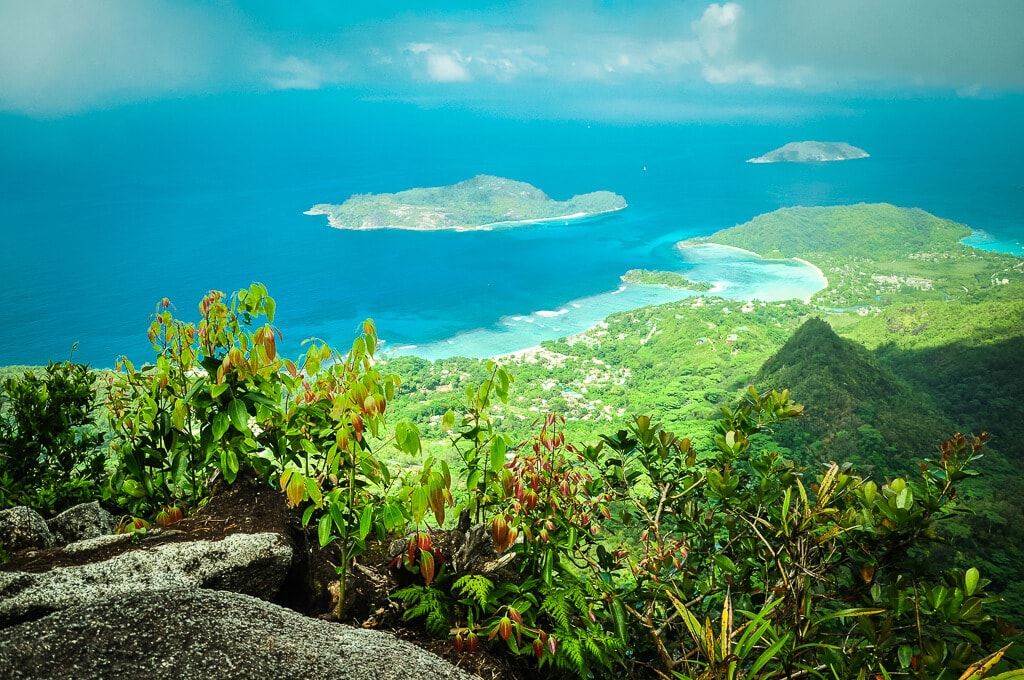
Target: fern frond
x=572 y=656
x=579 y=598
x=437 y=623
x=556 y=605
x=427 y=602
x=410 y=594
x=476 y=587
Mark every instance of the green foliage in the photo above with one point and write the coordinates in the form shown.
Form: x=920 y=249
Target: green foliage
x=219 y=401
x=430 y=603
x=204 y=407
x=830 y=574
x=480 y=446
x=646 y=553
x=861 y=411
x=663 y=278
x=481 y=201
x=50 y=455
x=876 y=255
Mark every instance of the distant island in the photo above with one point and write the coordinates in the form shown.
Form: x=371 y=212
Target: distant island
x=811 y=152
x=482 y=202
x=648 y=277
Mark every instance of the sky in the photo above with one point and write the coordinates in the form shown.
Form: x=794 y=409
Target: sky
x=564 y=59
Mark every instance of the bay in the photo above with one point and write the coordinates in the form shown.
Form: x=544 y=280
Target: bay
x=105 y=213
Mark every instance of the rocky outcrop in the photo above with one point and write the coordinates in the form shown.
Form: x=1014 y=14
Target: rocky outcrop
x=188 y=634
x=253 y=564
x=82 y=522
x=23 y=528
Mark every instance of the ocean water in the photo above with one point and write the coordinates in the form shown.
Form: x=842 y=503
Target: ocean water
x=105 y=213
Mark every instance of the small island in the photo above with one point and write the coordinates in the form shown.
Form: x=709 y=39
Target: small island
x=648 y=277
x=483 y=202
x=811 y=152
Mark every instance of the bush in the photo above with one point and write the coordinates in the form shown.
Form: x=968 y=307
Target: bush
x=50 y=455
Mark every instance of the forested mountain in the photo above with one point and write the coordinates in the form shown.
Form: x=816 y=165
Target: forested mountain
x=857 y=410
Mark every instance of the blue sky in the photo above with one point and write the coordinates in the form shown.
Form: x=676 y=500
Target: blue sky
x=617 y=60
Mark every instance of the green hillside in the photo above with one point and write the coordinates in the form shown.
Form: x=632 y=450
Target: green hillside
x=857 y=409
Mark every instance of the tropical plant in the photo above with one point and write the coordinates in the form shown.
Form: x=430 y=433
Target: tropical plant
x=206 y=407
x=329 y=444
x=50 y=455
x=746 y=565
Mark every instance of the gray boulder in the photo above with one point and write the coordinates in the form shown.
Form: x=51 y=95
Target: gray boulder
x=254 y=564
x=22 y=528
x=188 y=634
x=82 y=522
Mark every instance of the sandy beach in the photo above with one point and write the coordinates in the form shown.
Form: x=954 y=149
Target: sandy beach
x=323 y=209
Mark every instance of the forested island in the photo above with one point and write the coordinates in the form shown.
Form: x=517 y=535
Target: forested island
x=648 y=277
x=482 y=202
x=811 y=152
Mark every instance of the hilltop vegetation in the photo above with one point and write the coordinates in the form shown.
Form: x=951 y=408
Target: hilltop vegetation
x=662 y=278
x=482 y=201
x=877 y=255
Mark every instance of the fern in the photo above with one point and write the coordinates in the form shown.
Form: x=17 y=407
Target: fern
x=557 y=606
x=572 y=651
x=427 y=602
x=476 y=587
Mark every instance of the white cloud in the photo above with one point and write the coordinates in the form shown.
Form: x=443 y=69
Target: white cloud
x=447 y=68
x=64 y=56
x=716 y=29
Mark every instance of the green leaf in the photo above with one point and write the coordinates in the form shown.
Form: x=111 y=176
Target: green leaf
x=312 y=364
x=338 y=515
x=971 y=580
x=725 y=564
x=420 y=499
x=365 y=522
x=313 y=489
x=407 y=437
x=323 y=530
x=239 y=415
x=393 y=517
x=229 y=464
x=1009 y=675
x=498 y=449
x=133 y=488
x=767 y=655
x=619 y=617
x=856 y=611
x=220 y=425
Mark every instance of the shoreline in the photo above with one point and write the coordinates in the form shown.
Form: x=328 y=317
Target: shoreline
x=519 y=337
x=490 y=226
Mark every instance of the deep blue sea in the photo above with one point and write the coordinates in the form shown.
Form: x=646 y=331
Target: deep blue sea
x=105 y=213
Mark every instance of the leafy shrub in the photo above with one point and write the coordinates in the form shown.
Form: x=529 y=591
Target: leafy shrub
x=50 y=455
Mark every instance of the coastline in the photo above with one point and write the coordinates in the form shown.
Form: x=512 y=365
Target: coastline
x=686 y=244
x=490 y=226
x=735 y=273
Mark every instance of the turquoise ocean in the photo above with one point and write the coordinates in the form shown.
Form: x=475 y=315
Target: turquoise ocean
x=105 y=213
